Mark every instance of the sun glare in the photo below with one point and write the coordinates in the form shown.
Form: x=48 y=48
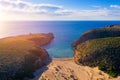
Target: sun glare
x=1 y=26
x=3 y=29
x=2 y=17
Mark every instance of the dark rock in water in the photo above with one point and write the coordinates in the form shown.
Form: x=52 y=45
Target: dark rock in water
x=100 y=47
x=111 y=26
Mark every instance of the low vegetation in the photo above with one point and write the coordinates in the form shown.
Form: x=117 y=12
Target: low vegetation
x=98 y=33
x=20 y=56
x=102 y=50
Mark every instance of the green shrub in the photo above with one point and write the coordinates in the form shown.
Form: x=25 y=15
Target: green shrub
x=100 y=48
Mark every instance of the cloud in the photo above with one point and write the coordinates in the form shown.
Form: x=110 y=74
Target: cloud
x=89 y=14
x=64 y=12
x=96 y=6
x=115 y=6
x=13 y=4
x=24 y=10
x=19 y=6
x=48 y=6
x=22 y=6
x=99 y=12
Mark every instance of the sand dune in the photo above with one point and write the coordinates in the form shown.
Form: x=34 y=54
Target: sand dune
x=66 y=69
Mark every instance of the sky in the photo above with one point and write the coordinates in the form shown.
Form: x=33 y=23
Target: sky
x=12 y=10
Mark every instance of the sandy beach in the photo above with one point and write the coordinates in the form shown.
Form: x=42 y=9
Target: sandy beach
x=66 y=69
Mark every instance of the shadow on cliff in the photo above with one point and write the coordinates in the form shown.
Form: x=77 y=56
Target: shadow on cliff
x=40 y=71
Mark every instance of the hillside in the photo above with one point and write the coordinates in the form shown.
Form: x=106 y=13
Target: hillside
x=100 y=47
x=20 y=56
x=109 y=31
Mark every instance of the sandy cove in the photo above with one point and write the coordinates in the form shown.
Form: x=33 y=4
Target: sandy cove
x=66 y=69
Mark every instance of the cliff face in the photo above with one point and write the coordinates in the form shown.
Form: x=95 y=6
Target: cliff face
x=20 y=56
x=99 y=47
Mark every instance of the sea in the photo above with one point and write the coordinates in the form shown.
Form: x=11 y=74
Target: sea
x=65 y=32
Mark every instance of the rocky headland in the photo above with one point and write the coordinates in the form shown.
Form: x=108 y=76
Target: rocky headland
x=100 y=48
x=21 y=55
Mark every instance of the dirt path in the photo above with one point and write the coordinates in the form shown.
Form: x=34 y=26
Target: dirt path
x=66 y=69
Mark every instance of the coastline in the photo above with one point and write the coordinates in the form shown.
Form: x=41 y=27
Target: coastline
x=63 y=59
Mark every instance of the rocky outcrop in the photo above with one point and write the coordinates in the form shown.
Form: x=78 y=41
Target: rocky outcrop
x=110 y=31
x=117 y=25
x=99 y=47
x=20 y=56
x=45 y=39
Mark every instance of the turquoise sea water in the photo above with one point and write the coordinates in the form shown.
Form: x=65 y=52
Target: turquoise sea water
x=65 y=32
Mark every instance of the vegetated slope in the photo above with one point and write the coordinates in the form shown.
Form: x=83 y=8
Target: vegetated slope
x=20 y=56
x=112 y=31
x=102 y=50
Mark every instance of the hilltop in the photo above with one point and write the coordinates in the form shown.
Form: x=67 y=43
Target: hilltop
x=21 y=55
